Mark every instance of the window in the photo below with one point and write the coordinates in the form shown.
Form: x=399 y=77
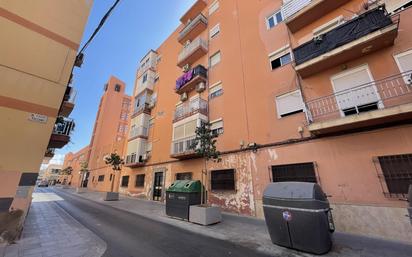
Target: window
x=397 y=172
x=289 y=104
x=125 y=181
x=214 y=59
x=281 y=61
x=352 y=102
x=301 y=172
x=213 y=7
x=93 y=179
x=274 y=19
x=216 y=127
x=223 y=179
x=184 y=176
x=117 y=88
x=144 y=79
x=404 y=61
x=215 y=90
x=100 y=178
x=111 y=177
x=139 y=180
x=214 y=31
x=393 y=6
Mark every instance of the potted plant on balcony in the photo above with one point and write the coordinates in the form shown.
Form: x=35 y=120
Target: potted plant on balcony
x=116 y=162
x=84 y=168
x=204 y=145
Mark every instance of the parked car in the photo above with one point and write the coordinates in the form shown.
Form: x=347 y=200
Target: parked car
x=43 y=183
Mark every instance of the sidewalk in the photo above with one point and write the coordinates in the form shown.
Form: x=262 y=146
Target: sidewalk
x=252 y=232
x=50 y=232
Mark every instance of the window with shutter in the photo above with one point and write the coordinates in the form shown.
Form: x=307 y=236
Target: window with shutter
x=214 y=31
x=213 y=7
x=289 y=103
x=214 y=59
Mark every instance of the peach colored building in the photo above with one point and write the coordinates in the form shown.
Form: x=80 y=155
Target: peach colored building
x=76 y=161
x=109 y=135
x=298 y=90
x=36 y=60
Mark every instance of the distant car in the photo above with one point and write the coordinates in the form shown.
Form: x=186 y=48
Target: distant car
x=43 y=183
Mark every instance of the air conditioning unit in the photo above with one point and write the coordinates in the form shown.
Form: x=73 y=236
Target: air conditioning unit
x=187 y=43
x=152 y=104
x=183 y=97
x=186 y=68
x=145 y=157
x=200 y=87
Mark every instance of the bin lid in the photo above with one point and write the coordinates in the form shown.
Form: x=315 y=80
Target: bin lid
x=185 y=186
x=294 y=190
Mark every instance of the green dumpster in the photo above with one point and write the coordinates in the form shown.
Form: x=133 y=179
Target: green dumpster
x=180 y=195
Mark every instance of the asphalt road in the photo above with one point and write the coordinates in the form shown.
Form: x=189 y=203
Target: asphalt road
x=128 y=234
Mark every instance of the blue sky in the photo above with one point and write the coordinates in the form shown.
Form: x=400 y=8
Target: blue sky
x=134 y=27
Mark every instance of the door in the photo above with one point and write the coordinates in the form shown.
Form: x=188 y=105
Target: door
x=158 y=186
x=355 y=92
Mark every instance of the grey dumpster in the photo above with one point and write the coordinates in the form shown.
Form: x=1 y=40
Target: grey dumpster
x=298 y=216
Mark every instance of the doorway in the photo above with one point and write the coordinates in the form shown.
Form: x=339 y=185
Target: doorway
x=158 y=186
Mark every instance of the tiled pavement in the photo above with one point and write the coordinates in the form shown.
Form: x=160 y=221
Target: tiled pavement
x=51 y=232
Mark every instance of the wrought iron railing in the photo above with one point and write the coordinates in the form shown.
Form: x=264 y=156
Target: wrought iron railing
x=199 y=70
x=190 y=108
x=349 y=31
x=63 y=126
x=191 y=24
x=190 y=48
x=389 y=92
x=184 y=145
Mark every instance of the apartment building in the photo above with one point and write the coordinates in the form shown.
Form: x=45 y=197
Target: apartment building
x=50 y=173
x=109 y=135
x=297 y=90
x=36 y=60
x=77 y=161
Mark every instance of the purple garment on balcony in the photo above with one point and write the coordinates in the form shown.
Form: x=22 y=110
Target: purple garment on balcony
x=180 y=82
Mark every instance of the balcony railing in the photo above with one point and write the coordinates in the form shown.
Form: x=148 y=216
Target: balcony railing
x=382 y=94
x=191 y=76
x=64 y=128
x=190 y=108
x=190 y=49
x=293 y=6
x=183 y=146
x=191 y=25
x=350 y=31
x=134 y=160
x=139 y=132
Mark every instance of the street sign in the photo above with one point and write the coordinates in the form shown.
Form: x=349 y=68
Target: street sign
x=39 y=118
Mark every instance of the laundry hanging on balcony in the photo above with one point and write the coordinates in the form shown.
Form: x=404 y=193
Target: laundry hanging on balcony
x=184 y=79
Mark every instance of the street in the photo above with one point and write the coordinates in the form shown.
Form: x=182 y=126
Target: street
x=129 y=235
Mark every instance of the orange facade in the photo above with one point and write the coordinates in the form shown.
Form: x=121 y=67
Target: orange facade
x=109 y=135
x=297 y=90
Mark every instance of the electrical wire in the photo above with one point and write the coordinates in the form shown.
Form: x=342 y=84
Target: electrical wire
x=101 y=23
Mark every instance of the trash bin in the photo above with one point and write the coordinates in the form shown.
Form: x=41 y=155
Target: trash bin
x=298 y=216
x=180 y=195
x=410 y=202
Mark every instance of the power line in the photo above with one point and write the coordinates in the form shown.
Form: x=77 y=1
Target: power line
x=79 y=57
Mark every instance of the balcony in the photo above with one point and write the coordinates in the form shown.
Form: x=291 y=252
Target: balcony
x=196 y=8
x=133 y=161
x=61 y=133
x=138 y=132
x=146 y=82
x=380 y=102
x=183 y=148
x=188 y=81
x=143 y=103
x=192 y=52
x=299 y=13
x=192 y=29
x=68 y=102
x=367 y=33
x=148 y=62
x=190 y=108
